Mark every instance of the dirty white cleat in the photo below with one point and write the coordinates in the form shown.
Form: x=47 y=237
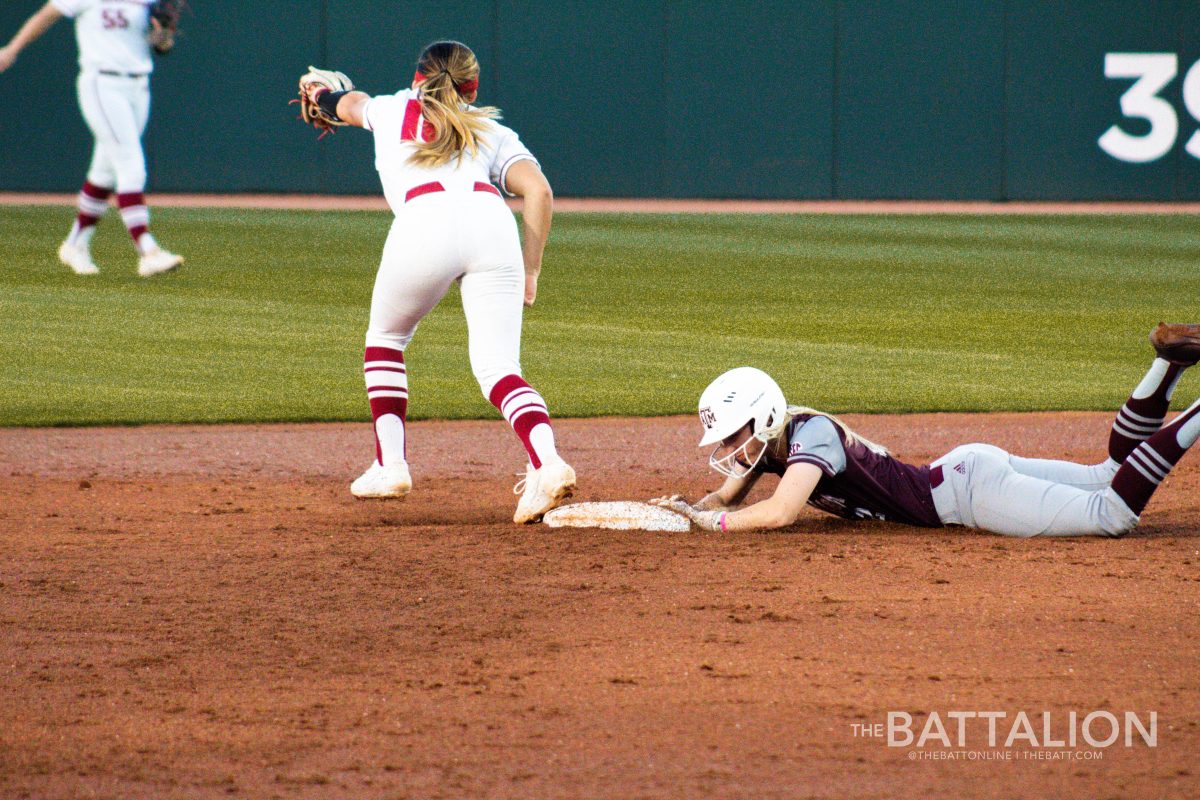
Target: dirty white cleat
x=157 y=261
x=393 y=480
x=78 y=259
x=543 y=489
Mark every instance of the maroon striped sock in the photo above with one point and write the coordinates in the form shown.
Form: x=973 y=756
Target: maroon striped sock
x=524 y=409
x=387 y=392
x=1150 y=462
x=1144 y=411
x=135 y=214
x=92 y=203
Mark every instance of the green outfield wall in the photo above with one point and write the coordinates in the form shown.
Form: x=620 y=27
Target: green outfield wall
x=975 y=99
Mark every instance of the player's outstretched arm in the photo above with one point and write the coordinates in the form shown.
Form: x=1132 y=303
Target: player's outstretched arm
x=525 y=180
x=781 y=508
x=30 y=32
x=352 y=108
x=777 y=511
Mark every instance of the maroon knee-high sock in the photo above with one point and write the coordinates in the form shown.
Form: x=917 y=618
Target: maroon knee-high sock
x=1144 y=411
x=524 y=409
x=1147 y=466
x=387 y=392
x=135 y=215
x=92 y=203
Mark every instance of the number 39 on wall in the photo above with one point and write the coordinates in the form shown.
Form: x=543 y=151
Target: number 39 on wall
x=1141 y=101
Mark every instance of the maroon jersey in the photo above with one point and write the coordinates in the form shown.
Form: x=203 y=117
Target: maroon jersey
x=856 y=482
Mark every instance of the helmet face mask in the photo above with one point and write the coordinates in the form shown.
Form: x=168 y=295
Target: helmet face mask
x=737 y=460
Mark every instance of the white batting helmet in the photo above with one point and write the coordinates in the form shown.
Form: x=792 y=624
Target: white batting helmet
x=741 y=395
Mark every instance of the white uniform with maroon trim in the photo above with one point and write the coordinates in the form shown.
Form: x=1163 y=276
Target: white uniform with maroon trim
x=114 y=88
x=451 y=224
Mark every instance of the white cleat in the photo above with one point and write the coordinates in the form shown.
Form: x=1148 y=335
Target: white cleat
x=78 y=259
x=543 y=489
x=157 y=262
x=393 y=480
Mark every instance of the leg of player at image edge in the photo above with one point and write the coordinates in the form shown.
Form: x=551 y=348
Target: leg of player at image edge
x=1147 y=449
x=985 y=487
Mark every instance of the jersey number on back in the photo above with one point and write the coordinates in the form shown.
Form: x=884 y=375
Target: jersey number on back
x=412 y=115
x=114 y=18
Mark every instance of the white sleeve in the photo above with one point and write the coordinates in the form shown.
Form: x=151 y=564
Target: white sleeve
x=509 y=150
x=71 y=8
x=384 y=114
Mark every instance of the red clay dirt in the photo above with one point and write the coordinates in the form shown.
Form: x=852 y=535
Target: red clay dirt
x=203 y=612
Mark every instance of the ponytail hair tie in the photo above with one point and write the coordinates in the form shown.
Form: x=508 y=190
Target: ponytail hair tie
x=466 y=87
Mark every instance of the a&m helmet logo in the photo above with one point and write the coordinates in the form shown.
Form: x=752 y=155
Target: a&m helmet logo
x=707 y=417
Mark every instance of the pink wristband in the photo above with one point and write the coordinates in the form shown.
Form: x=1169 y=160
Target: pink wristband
x=721 y=522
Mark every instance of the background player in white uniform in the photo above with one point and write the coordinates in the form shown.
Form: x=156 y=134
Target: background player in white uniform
x=114 y=37
x=825 y=464
x=437 y=158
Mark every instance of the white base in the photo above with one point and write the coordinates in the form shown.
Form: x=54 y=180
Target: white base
x=621 y=515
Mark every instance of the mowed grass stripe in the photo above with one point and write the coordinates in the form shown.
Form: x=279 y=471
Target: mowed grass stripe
x=636 y=314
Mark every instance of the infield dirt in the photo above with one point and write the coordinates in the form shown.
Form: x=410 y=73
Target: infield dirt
x=197 y=612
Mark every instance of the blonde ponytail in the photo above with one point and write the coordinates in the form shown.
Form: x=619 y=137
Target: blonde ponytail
x=451 y=73
x=774 y=436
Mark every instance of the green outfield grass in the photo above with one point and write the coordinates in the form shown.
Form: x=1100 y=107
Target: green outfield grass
x=636 y=314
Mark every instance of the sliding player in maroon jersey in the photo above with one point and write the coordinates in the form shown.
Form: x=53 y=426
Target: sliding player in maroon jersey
x=823 y=463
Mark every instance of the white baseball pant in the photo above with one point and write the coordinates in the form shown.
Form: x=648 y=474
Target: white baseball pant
x=985 y=487
x=116 y=109
x=435 y=240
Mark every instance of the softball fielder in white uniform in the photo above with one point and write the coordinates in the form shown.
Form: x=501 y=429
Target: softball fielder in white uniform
x=438 y=160
x=115 y=38
x=823 y=463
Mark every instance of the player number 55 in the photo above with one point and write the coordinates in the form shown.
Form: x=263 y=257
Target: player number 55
x=1153 y=72
x=113 y=18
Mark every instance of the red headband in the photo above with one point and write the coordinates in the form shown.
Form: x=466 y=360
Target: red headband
x=466 y=87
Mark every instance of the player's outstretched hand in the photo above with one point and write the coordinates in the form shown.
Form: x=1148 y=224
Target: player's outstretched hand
x=530 y=289
x=705 y=520
x=8 y=57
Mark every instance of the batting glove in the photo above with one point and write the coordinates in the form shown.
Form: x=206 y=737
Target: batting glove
x=704 y=520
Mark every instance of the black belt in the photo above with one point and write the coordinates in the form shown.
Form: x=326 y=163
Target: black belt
x=936 y=477
x=116 y=74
